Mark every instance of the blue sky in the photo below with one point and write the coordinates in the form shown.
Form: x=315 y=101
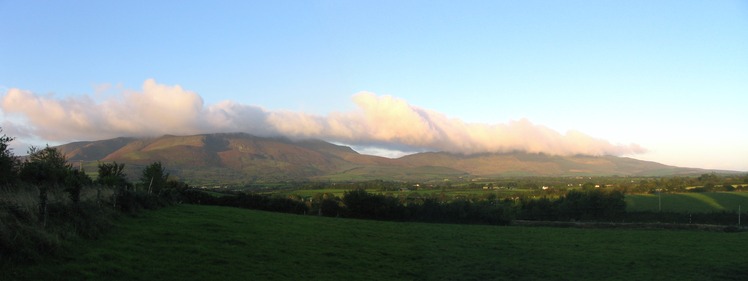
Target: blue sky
x=668 y=76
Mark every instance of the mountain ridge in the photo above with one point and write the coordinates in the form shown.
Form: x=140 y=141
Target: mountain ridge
x=245 y=158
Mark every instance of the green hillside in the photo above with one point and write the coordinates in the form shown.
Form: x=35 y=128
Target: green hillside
x=421 y=173
x=191 y=242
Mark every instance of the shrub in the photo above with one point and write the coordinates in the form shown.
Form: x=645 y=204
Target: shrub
x=85 y=219
x=130 y=202
x=21 y=239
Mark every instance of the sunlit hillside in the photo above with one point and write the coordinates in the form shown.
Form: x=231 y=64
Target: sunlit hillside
x=241 y=158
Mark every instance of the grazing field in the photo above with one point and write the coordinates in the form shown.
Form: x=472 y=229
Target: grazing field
x=689 y=202
x=190 y=242
x=704 y=202
x=449 y=192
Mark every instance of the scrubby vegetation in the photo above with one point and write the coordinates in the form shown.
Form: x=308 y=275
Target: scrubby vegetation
x=45 y=202
x=36 y=222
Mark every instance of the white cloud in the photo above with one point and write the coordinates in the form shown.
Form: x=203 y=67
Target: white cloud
x=385 y=122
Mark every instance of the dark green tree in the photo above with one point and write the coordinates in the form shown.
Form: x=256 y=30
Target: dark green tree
x=326 y=204
x=154 y=177
x=46 y=165
x=45 y=168
x=112 y=175
x=588 y=186
x=9 y=163
x=709 y=180
x=361 y=204
x=74 y=183
x=595 y=204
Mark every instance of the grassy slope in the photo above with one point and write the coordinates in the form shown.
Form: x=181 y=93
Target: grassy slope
x=217 y=243
x=423 y=173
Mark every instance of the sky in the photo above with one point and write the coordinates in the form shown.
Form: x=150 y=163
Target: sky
x=663 y=81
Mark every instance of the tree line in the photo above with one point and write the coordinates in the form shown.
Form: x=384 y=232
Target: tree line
x=48 y=170
x=593 y=204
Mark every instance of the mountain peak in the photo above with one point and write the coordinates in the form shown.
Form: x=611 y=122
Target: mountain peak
x=241 y=157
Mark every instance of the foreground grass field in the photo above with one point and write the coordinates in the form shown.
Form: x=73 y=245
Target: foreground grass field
x=190 y=242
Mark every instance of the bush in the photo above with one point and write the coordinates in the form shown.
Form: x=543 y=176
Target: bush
x=364 y=205
x=130 y=202
x=329 y=207
x=24 y=239
x=593 y=204
x=85 y=219
x=21 y=238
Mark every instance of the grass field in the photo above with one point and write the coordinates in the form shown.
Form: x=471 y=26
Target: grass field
x=190 y=242
x=679 y=202
x=689 y=202
x=450 y=192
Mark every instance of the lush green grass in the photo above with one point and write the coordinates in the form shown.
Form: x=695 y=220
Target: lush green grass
x=689 y=202
x=310 y=192
x=191 y=242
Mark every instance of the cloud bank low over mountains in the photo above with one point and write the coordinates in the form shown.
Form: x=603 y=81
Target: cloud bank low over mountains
x=379 y=121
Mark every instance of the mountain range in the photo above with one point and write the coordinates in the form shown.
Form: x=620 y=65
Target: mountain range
x=232 y=158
